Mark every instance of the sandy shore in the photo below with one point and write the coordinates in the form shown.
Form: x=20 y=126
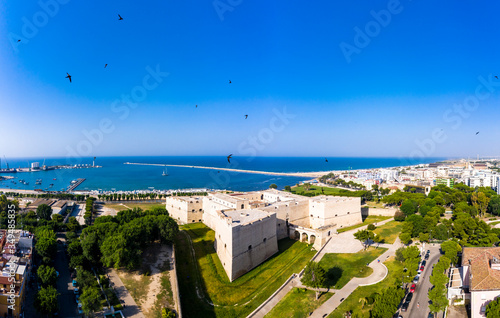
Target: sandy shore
x=4 y=190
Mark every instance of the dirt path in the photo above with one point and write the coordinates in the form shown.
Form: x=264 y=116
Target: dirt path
x=156 y=273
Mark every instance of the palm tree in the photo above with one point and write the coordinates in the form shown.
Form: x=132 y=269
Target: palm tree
x=363 y=302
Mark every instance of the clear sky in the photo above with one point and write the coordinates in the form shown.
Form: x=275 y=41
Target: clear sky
x=354 y=80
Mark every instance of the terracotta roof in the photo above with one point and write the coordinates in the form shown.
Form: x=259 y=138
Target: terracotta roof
x=483 y=277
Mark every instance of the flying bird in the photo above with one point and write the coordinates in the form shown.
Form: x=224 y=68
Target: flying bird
x=120 y=17
x=229 y=81
x=477 y=133
x=69 y=76
x=246 y=116
x=495 y=75
x=105 y=65
x=326 y=160
x=196 y=106
x=229 y=157
x=19 y=40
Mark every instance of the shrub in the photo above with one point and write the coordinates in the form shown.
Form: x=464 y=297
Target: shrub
x=399 y=216
x=371 y=227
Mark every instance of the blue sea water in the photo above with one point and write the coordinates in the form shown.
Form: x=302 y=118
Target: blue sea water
x=115 y=175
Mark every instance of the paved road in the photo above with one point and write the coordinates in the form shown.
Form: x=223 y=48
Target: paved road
x=78 y=212
x=421 y=292
x=66 y=299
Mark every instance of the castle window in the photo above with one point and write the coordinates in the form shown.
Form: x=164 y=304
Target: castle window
x=265 y=239
x=336 y=214
x=193 y=221
x=242 y=206
x=348 y=212
x=249 y=247
x=224 y=245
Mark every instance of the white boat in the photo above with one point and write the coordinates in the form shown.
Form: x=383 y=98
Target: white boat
x=164 y=173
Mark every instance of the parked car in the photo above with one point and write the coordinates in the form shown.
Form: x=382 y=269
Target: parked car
x=74 y=283
x=424 y=263
x=415 y=280
x=422 y=268
x=426 y=256
x=412 y=288
x=409 y=298
x=76 y=291
x=428 y=252
x=405 y=306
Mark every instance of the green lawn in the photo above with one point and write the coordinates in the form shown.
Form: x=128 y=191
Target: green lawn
x=369 y=220
x=204 y=282
x=298 y=303
x=353 y=301
x=341 y=268
x=315 y=190
x=143 y=206
x=389 y=231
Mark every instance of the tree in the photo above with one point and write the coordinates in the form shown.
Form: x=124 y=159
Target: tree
x=387 y=302
x=409 y=207
x=314 y=276
x=46 y=245
x=167 y=313
x=44 y=212
x=405 y=238
x=493 y=309
x=288 y=188
x=399 y=216
x=91 y=300
x=307 y=186
x=273 y=186
x=480 y=202
x=423 y=237
x=46 y=300
x=377 y=239
x=47 y=275
x=494 y=205
x=451 y=249
x=364 y=236
x=399 y=254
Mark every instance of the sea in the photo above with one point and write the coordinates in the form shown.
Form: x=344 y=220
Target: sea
x=115 y=175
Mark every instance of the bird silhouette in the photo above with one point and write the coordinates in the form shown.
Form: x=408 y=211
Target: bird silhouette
x=105 y=65
x=326 y=160
x=246 y=116
x=69 y=76
x=477 y=133
x=196 y=106
x=229 y=157
x=120 y=17
x=19 y=40
x=229 y=81
x=495 y=75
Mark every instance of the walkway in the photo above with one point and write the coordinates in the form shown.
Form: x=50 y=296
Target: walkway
x=345 y=242
x=341 y=243
x=130 y=307
x=379 y=273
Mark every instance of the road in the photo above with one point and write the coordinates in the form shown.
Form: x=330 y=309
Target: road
x=66 y=299
x=423 y=286
x=78 y=212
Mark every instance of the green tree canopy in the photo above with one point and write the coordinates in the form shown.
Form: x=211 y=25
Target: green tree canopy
x=43 y=211
x=493 y=309
x=46 y=300
x=47 y=275
x=91 y=300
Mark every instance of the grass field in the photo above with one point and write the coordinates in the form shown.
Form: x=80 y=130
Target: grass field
x=203 y=283
x=315 y=190
x=298 y=303
x=353 y=301
x=341 y=268
x=373 y=204
x=389 y=231
x=369 y=220
x=143 y=206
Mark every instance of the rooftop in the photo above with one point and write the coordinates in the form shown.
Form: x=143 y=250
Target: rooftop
x=242 y=217
x=483 y=276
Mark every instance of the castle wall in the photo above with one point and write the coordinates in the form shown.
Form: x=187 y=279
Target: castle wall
x=185 y=209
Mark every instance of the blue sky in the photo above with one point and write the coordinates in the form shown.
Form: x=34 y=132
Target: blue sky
x=389 y=98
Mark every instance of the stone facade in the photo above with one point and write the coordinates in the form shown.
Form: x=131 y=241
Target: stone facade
x=248 y=225
x=244 y=239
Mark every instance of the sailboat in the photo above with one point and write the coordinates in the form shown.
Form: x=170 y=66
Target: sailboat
x=164 y=173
